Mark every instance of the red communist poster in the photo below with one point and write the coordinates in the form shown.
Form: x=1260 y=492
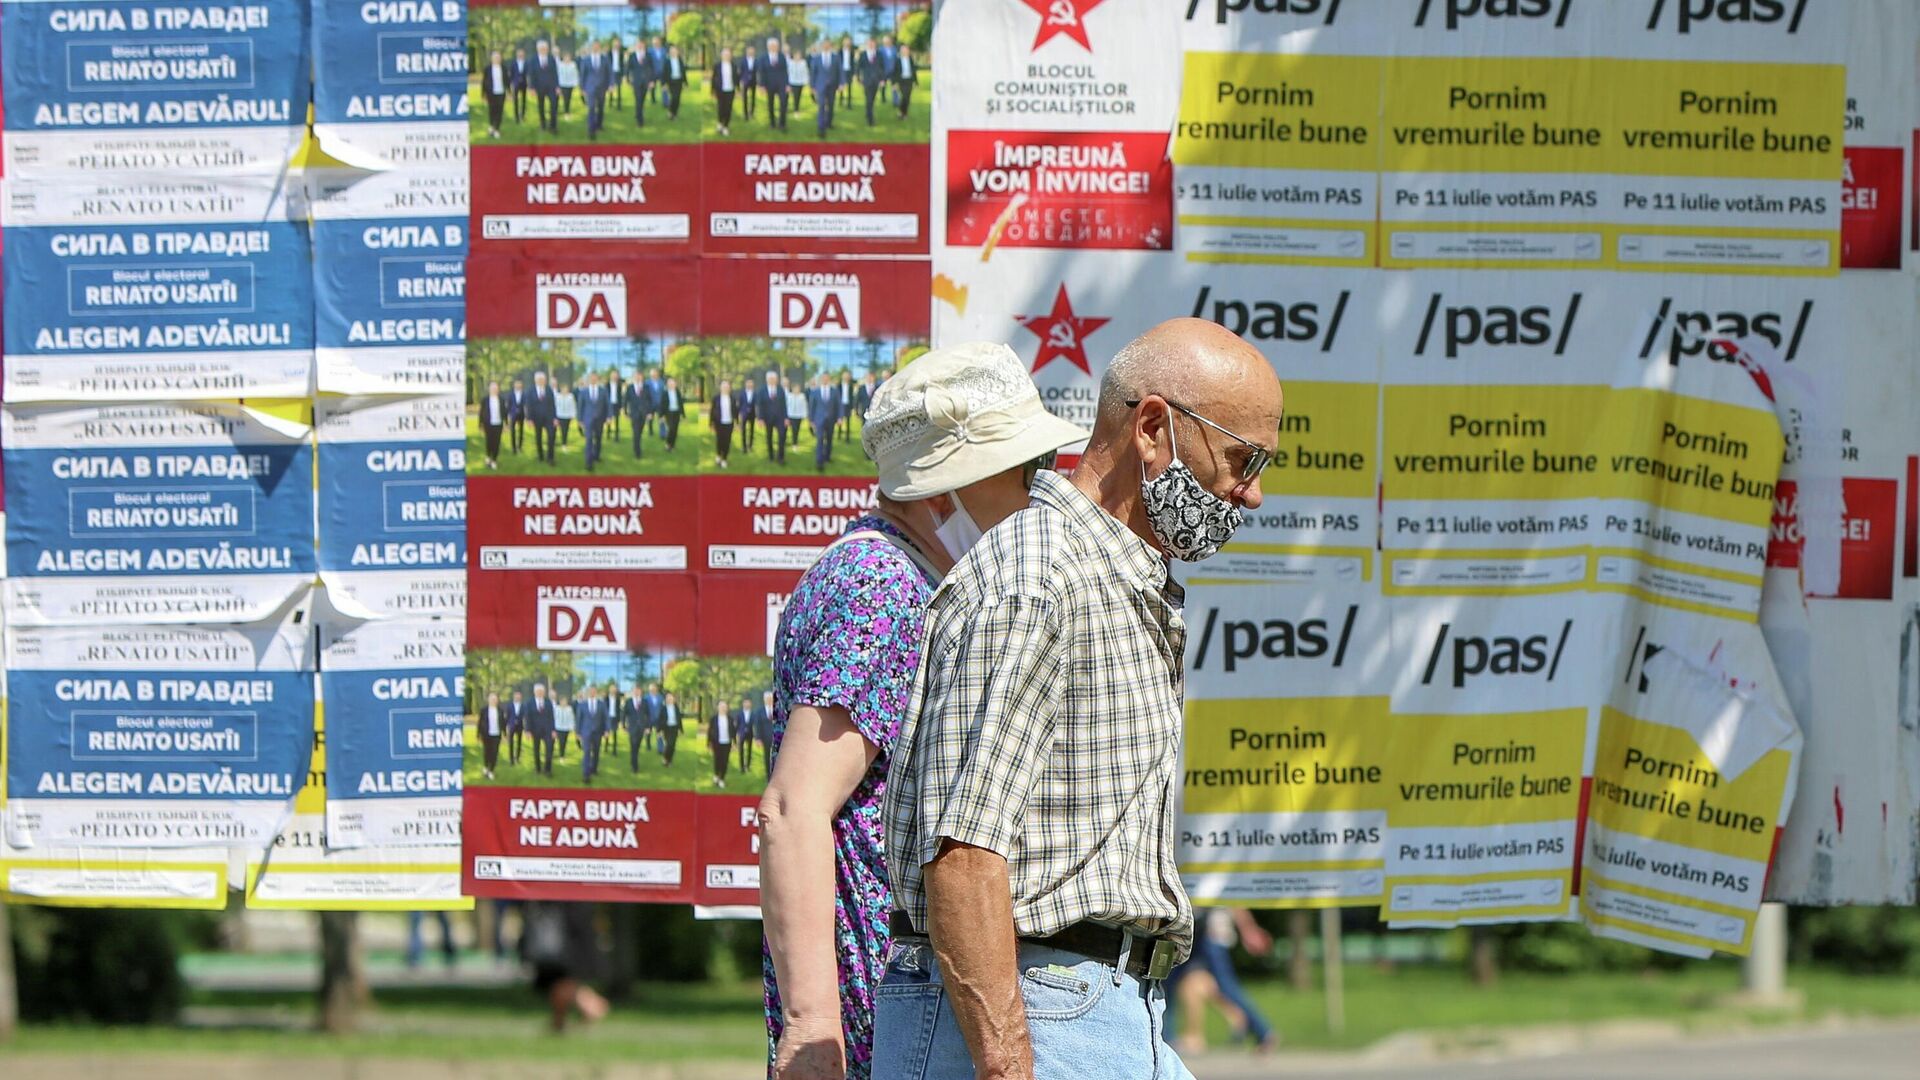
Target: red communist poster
x=1866 y=529
x=815 y=127
x=1059 y=189
x=1871 y=198
x=661 y=437
x=585 y=129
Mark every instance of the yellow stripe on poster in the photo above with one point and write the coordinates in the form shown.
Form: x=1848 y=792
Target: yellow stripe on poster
x=1576 y=584
x=1303 y=755
x=1255 y=109
x=1500 y=769
x=1364 y=556
x=1469 y=114
x=388 y=873
x=1279 y=867
x=1652 y=780
x=1327 y=440
x=1691 y=455
x=1493 y=443
x=1594 y=918
x=1728 y=120
x=215 y=898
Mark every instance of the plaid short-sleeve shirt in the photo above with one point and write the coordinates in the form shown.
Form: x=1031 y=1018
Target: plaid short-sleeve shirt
x=1045 y=723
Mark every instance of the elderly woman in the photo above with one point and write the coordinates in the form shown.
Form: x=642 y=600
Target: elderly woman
x=957 y=436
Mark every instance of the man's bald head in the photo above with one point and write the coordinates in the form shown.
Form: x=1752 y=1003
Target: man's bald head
x=1232 y=401
x=1197 y=363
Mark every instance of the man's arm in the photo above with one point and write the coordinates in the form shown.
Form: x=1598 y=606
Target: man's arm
x=970 y=920
x=985 y=733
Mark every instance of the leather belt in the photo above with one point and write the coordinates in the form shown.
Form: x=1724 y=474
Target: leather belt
x=1149 y=958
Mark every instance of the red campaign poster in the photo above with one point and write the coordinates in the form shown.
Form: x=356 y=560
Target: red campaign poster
x=576 y=477
x=816 y=300
x=772 y=523
x=581 y=563
x=544 y=844
x=740 y=612
x=816 y=127
x=582 y=766
x=585 y=129
x=727 y=852
x=1059 y=189
x=790 y=353
x=1866 y=536
x=592 y=297
x=1871 y=198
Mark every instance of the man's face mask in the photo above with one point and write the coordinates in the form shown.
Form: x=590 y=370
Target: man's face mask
x=1190 y=522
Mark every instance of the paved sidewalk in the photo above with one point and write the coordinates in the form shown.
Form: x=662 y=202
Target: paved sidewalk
x=1847 y=1052
x=1851 y=1052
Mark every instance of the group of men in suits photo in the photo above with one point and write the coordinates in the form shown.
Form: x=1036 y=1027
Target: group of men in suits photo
x=601 y=70
x=831 y=72
x=652 y=720
x=775 y=409
x=777 y=74
x=650 y=405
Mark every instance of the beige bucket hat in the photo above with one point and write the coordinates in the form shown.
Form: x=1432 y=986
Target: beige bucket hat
x=956 y=416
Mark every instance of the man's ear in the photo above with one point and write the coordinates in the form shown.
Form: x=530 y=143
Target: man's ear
x=941 y=507
x=1148 y=421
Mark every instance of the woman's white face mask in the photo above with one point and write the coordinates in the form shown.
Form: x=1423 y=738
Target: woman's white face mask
x=958 y=533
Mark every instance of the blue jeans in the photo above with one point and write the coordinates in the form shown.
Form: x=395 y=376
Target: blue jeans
x=1086 y=1022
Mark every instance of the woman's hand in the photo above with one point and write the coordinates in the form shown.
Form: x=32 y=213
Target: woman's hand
x=811 y=1050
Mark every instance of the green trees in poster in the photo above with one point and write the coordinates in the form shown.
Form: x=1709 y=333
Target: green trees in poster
x=689 y=31
x=503 y=360
x=703 y=682
x=506 y=28
x=916 y=31
x=685 y=363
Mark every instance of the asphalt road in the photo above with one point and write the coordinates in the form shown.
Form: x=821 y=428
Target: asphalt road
x=1860 y=1054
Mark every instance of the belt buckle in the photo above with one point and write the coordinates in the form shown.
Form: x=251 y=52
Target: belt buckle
x=1160 y=961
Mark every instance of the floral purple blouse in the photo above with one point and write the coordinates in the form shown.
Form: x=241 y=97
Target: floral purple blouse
x=850 y=637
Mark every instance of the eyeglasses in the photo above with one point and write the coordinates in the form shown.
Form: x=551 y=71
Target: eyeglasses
x=1032 y=469
x=1257 y=455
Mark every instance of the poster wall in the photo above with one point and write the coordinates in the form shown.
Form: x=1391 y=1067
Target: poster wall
x=198 y=277
x=664 y=406
x=1545 y=349
x=1587 y=564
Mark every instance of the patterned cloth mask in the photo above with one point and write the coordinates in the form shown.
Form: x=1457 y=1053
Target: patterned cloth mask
x=1190 y=522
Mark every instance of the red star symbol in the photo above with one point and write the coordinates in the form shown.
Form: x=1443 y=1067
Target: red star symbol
x=1063 y=17
x=1061 y=333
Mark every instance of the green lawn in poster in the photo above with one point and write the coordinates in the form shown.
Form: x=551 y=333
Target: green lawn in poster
x=692 y=454
x=692 y=768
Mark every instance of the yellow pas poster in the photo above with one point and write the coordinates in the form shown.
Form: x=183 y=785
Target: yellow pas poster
x=1692 y=774
x=1285 y=770
x=1491 y=705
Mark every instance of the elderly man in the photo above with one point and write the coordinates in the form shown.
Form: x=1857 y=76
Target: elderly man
x=1030 y=805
